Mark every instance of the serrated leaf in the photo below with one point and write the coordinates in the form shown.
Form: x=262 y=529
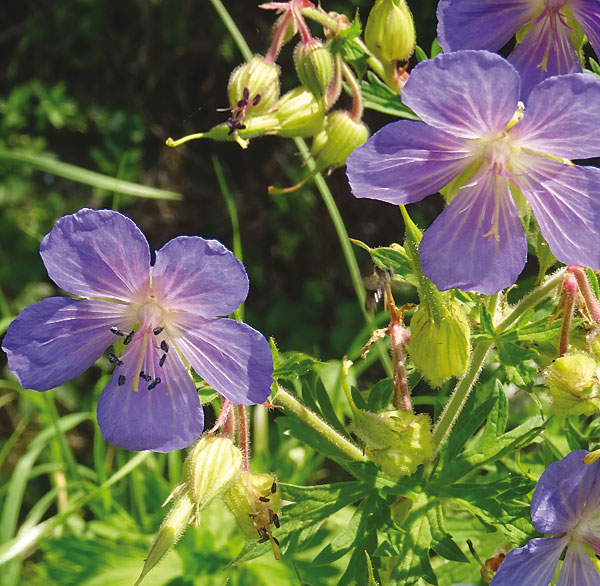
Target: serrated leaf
x=498 y=416
x=392 y=257
x=291 y=365
x=379 y=97
x=486 y=322
x=344 y=541
x=513 y=357
x=539 y=331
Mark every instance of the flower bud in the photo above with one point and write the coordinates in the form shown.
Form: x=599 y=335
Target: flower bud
x=314 y=66
x=341 y=135
x=256 y=81
x=390 y=31
x=397 y=441
x=255 y=501
x=172 y=528
x=299 y=114
x=212 y=466
x=573 y=384
x=440 y=350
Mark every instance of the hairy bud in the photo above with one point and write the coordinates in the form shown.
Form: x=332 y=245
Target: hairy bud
x=314 y=66
x=573 y=384
x=299 y=114
x=256 y=81
x=390 y=31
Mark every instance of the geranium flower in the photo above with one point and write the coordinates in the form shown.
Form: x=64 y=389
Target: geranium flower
x=161 y=319
x=566 y=504
x=476 y=134
x=547 y=48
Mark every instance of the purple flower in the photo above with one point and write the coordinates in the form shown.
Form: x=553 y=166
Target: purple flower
x=476 y=135
x=547 y=48
x=566 y=504
x=161 y=318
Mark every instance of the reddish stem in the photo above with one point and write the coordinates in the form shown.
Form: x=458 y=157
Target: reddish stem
x=401 y=398
x=569 y=289
x=281 y=26
x=244 y=436
x=586 y=291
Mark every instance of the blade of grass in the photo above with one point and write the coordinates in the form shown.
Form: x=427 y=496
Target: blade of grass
x=85 y=176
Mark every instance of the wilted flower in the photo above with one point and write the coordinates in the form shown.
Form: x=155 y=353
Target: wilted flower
x=566 y=504
x=476 y=136
x=161 y=319
x=552 y=32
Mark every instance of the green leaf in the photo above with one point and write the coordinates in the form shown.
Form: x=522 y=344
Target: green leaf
x=498 y=416
x=594 y=66
x=441 y=541
x=380 y=395
x=344 y=541
x=392 y=257
x=379 y=97
x=291 y=365
x=436 y=48
x=486 y=323
x=420 y=54
x=513 y=357
x=593 y=281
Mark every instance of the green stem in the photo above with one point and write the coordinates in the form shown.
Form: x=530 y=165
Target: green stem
x=233 y=30
x=457 y=400
x=304 y=414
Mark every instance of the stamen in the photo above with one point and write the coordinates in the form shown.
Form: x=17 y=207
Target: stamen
x=113 y=359
x=275 y=521
x=153 y=384
x=145 y=376
x=128 y=339
x=274 y=488
x=164 y=346
x=121 y=380
x=158 y=330
x=256 y=100
x=162 y=360
x=116 y=331
x=263 y=499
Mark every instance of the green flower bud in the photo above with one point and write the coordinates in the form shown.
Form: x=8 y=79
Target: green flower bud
x=255 y=501
x=397 y=441
x=341 y=135
x=314 y=66
x=299 y=114
x=172 y=528
x=390 y=31
x=573 y=384
x=440 y=350
x=255 y=78
x=212 y=466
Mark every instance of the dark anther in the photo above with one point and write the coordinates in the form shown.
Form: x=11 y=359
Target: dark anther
x=158 y=330
x=164 y=346
x=263 y=499
x=274 y=488
x=116 y=331
x=121 y=380
x=264 y=539
x=113 y=359
x=256 y=100
x=275 y=521
x=246 y=94
x=154 y=383
x=275 y=541
x=161 y=362
x=129 y=337
x=145 y=376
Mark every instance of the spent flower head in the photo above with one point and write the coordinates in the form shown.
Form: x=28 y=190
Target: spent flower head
x=161 y=319
x=550 y=32
x=492 y=153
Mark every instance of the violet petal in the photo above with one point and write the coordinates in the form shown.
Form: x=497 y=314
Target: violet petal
x=467 y=94
x=561 y=117
x=532 y=565
x=481 y=24
x=577 y=568
x=166 y=417
x=200 y=276
x=97 y=254
x=57 y=339
x=477 y=243
x=231 y=357
x=565 y=201
x=544 y=53
x=406 y=161
x=567 y=490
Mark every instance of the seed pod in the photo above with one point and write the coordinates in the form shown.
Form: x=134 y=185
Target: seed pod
x=314 y=66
